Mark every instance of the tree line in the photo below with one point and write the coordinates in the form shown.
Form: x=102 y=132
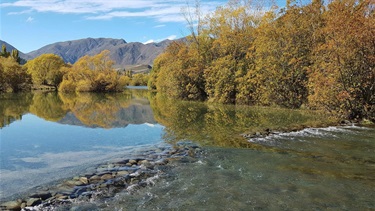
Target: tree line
x=13 y=76
x=88 y=74
x=317 y=55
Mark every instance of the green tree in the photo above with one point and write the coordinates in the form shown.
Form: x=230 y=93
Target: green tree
x=4 y=52
x=15 y=55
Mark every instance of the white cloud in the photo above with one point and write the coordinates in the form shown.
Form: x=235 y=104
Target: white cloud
x=148 y=42
x=160 y=10
x=159 y=26
x=171 y=37
x=20 y=13
x=30 y=19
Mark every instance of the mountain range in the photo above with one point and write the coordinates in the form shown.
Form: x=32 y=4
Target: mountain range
x=124 y=54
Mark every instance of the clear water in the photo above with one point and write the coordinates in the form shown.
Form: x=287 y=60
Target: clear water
x=48 y=136
x=316 y=169
x=34 y=151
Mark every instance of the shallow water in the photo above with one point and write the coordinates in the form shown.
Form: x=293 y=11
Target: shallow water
x=36 y=150
x=315 y=169
x=46 y=137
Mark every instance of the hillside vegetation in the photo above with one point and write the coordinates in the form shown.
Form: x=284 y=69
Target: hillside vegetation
x=49 y=71
x=317 y=55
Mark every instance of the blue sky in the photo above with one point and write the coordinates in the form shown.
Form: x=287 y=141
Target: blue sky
x=31 y=24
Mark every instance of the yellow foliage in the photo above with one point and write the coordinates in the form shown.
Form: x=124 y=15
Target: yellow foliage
x=93 y=74
x=46 y=69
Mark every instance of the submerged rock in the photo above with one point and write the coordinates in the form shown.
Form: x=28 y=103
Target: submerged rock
x=11 y=205
x=33 y=201
x=108 y=179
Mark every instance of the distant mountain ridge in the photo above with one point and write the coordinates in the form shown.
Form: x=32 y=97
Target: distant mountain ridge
x=123 y=53
x=11 y=47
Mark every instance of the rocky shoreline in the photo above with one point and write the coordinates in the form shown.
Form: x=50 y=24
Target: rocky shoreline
x=269 y=132
x=105 y=180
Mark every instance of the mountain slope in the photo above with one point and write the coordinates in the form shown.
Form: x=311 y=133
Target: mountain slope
x=10 y=48
x=122 y=53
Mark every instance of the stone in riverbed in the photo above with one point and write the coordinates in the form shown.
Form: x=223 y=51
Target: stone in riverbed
x=84 y=180
x=132 y=161
x=33 y=201
x=95 y=178
x=60 y=196
x=41 y=195
x=73 y=183
x=122 y=173
x=101 y=169
x=106 y=177
x=161 y=162
x=11 y=205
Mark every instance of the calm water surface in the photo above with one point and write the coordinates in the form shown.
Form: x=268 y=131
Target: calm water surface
x=39 y=145
x=313 y=169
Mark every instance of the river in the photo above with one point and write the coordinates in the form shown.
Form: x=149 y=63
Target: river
x=46 y=137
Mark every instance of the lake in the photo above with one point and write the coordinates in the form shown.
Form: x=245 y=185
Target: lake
x=47 y=137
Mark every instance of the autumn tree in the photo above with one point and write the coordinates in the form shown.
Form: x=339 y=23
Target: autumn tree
x=46 y=70
x=163 y=75
x=139 y=79
x=283 y=55
x=232 y=29
x=317 y=55
x=2 y=79
x=93 y=73
x=13 y=77
x=343 y=77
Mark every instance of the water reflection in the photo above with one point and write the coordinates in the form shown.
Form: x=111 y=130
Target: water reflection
x=84 y=109
x=57 y=135
x=323 y=168
x=221 y=125
x=13 y=106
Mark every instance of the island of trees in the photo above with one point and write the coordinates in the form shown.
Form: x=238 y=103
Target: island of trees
x=318 y=56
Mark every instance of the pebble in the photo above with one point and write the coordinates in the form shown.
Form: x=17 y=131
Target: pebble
x=84 y=180
x=107 y=179
x=122 y=173
x=41 y=195
x=33 y=201
x=12 y=205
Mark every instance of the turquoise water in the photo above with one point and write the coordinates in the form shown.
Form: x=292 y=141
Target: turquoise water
x=46 y=137
x=35 y=151
x=314 y=169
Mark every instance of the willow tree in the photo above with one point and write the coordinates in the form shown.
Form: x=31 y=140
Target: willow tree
x=343 y=77
x=167 y=73
x=232 y=28
x=46 y=69
x=93 y=73
x=13 y=77
x=283 y=54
